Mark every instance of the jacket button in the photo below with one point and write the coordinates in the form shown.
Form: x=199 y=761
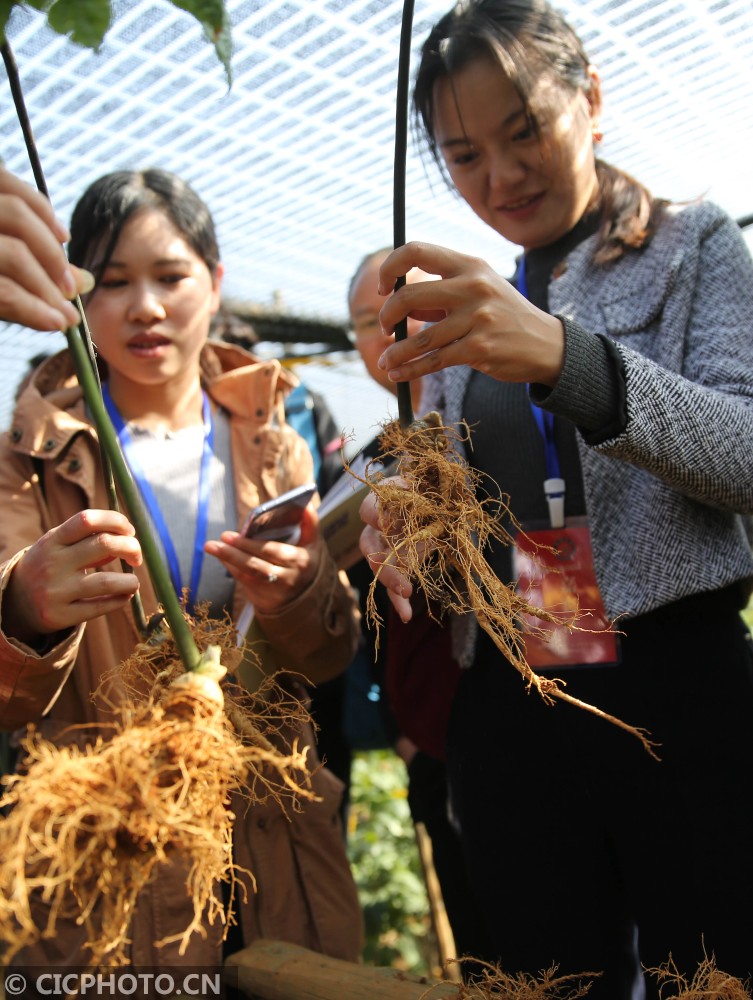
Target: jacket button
x=261 y=823
x=260 y=413
x=16 y=434
x=257 y=439
x=49 y=444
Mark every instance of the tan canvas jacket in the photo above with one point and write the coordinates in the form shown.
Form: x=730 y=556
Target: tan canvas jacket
x=304 y=891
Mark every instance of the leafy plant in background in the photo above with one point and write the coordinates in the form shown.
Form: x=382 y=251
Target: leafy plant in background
x=86 y=22
x=383 y=855
x=748 y=615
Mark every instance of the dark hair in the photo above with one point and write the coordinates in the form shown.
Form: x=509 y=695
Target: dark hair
x=530 y=39
x=109 y=202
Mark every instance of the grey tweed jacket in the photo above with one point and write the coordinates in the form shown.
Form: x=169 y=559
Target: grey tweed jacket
x=669 y=495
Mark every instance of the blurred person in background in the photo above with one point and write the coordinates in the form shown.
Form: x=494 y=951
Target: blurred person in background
x=413 y=666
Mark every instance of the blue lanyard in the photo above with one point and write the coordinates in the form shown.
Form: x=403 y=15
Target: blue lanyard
x=545 y=421
x=202 y=515
x=554 y=485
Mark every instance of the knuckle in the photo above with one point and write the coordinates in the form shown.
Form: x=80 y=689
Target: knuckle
x=434 y=361
x=87 y=519
x=483 y=315
x=479 y=284
x=423 y=338
x=105 y=544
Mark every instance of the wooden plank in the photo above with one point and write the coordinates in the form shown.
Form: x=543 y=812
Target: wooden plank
x=450 y=968
x=275 y=970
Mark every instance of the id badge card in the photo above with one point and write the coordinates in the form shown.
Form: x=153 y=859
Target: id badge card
x=554 y=570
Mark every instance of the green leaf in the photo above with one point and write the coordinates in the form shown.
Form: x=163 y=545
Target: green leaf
x=212 y=16
x=84 y=21
x=6 y=6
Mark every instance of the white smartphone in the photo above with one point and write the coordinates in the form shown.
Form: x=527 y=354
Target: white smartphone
x=279 y=519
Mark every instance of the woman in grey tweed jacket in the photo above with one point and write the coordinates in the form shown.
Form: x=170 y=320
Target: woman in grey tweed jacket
x=636 y=334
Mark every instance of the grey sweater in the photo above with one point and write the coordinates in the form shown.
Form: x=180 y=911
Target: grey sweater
x=669 y=486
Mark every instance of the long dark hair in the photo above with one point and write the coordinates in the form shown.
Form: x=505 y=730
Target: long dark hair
x=109 y=202
x=530 y=39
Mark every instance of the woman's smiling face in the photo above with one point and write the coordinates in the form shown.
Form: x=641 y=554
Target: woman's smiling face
x=529 y=185
x=150 y=312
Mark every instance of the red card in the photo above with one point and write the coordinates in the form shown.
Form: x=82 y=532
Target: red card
x=555 y=571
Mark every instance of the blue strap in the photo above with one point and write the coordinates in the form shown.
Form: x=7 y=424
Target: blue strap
x=544 y=419
x=521 y=281
x=202 y=515
x=554 y=484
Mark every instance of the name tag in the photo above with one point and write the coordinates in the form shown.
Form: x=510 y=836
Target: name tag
x=555 y=571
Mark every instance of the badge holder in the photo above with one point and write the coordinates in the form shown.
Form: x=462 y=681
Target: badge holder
x=554 y=569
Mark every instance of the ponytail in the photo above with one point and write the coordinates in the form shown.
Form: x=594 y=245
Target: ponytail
x=630 y=214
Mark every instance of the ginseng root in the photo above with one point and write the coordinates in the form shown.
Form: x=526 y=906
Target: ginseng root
x=88 y=821
x=708 y=983
x=434 y=509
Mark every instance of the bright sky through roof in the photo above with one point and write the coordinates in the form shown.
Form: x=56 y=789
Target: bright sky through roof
x=296 y=159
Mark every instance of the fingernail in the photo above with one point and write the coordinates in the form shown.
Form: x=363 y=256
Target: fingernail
x=382 y=362
x=86 y=281
x=395 y=374
x=62 y=231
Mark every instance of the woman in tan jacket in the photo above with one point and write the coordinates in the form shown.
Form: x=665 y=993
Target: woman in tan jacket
x=202 y=427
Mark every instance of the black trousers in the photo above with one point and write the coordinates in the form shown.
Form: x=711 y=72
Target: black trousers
x=573 y=835
x=428 y=802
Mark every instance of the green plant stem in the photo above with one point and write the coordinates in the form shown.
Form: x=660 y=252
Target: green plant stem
x=112 y=497
x=14 y=80
x=108 y=440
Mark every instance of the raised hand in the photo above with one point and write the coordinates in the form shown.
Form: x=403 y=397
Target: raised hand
x=36 y=280
x=472 y=317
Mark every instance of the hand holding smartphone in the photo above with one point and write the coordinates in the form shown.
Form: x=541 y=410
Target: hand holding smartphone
x=279 y=519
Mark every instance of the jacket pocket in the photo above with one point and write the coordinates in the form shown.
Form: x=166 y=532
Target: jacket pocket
x=638 y=307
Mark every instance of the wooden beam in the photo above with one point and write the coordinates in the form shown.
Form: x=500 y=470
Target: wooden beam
x=275 y=970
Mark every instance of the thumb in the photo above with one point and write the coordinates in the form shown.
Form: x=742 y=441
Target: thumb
x=309 y=526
